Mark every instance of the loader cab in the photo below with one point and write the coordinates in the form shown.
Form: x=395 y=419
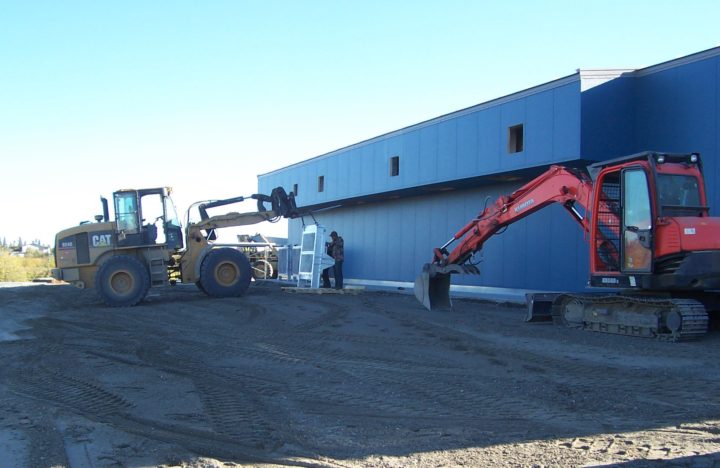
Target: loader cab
x=146 y=217
x=633 y=200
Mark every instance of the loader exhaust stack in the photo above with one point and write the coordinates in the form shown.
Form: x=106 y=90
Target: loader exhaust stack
x=432 y=288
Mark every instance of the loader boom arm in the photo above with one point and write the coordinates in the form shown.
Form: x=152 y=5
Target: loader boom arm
x=558 y=184
x=282 y=205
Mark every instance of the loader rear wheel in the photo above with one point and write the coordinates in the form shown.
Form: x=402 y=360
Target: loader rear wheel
x=122 y=281
x=225 y=273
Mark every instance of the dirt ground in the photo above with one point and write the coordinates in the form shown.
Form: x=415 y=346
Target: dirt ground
x=278 y=378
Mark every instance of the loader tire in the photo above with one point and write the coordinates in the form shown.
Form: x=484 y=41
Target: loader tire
x=122 y=281
x=262 y=269
x=225 y=272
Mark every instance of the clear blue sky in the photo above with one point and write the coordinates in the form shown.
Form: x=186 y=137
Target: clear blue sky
x=204 y=95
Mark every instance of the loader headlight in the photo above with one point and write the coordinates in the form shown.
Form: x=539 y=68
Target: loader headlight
x=660 y=158
x=694 y=158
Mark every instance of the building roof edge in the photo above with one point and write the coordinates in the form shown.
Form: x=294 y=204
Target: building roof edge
x=685 y=60
x=458 y=113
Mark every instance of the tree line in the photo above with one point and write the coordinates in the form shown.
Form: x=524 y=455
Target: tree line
x=18 y=267
x=19 y=243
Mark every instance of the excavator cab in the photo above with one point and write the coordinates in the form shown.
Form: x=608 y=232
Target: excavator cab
x=645 y=207
x=146 y=217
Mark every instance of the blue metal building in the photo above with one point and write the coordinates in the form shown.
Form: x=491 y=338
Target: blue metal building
x=395 y=197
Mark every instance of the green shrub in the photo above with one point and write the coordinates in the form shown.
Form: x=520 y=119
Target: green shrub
x=15 y=268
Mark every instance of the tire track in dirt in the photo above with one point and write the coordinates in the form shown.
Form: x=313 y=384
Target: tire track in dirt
x=346 y=377
x=86 y=397
x=237 y=406
x=576 y=380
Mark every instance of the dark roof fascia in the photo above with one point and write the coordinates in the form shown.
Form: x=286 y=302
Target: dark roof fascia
x=514 y=175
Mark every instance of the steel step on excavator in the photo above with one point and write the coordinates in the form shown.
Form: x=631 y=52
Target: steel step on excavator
x=654 y=249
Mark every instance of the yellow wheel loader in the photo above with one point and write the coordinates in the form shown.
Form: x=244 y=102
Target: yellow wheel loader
x=144 y=247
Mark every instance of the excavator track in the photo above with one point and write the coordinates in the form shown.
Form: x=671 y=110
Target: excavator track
x=663 y=318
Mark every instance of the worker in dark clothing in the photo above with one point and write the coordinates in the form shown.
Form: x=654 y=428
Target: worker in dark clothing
x=326 y=271
x=337 y=251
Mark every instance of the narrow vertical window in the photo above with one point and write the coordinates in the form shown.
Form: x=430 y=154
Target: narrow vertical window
x=515 y=139
x=321 y=184
x=394 y=166
x=295 y=190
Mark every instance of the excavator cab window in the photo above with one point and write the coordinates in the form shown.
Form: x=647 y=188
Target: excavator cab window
x=637 y=221
x=173 y=228
x=679 y=195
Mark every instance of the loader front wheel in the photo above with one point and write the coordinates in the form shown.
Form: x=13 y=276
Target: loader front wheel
x=225 y=272
x=122 y=281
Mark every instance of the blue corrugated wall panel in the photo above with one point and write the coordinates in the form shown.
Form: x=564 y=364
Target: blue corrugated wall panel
x=608 y=119
x=391 y=241
x=489 y=138
x=467 y=144
x=428 y=155
x=678 y=110
x=566 y=123
x=468 y=149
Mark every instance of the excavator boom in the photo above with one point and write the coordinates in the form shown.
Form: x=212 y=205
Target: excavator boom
x=558 y=184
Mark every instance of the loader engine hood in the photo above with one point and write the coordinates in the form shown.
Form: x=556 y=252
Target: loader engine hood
x=82 y=244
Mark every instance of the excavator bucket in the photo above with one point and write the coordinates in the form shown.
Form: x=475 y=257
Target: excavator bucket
x=539 y=306
x=433 y=289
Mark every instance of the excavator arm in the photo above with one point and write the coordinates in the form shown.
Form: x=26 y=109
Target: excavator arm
x=558 y=184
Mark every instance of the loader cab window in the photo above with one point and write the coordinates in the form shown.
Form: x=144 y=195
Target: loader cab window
x=152 y=210
x=173 y=228
x=637 y=222
x=126 y=212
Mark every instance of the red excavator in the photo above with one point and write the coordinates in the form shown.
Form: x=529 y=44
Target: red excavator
x=653 y=246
